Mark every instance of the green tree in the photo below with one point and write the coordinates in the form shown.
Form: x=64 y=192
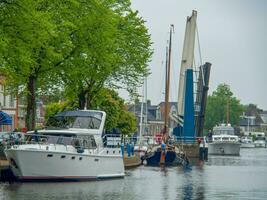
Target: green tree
x=77 y=45
x=117 y=116
x=221 y=105
x=115 y=52
x=31 y=48
x=54 y=108
x=127 y=123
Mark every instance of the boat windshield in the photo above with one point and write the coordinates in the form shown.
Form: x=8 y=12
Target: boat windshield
x=90 y=121
x=260 y=138
x=223 y=131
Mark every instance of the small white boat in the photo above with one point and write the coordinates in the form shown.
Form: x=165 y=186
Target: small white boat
x=247 y=142
x=260 y=140
x=72 y=151
x=224 y=142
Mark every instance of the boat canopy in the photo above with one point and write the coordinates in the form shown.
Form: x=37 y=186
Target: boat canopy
x=81 y=113
x=82 y=119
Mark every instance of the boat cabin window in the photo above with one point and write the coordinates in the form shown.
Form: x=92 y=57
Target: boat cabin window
x=86 y=142
x=223 y=130
x=225 y=139
x=217 y=139
x=232 y=139
x=64 y=139
x=83 y=141
x=260 y=138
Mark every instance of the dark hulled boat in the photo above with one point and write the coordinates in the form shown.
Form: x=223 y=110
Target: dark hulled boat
x=166 y=155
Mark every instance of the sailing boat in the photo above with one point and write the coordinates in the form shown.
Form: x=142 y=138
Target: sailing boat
x=165 y=154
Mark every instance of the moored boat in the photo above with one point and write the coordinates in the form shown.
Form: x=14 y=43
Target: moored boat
x=224 y=142
x=260 y=140
x=72 y=150
x=172 y=156
x=247 y=142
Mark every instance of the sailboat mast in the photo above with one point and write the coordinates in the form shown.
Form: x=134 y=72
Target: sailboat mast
x=167 y=89
x=166 y=99
x=141 y=115
x=145 y=119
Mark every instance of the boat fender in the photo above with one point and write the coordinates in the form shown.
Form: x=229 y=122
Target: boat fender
x=144 y=162
x=80 y=150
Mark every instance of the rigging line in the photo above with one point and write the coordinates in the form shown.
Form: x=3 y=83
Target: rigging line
x=195 y=79
x=162 y=81
x=162 y=91
x=200 y=58
x=199 y=49
x=175 y=87
x=195 y=70
x=173 y=78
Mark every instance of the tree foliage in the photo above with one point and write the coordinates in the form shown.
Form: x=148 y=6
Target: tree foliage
x=220 y=104
x=54 y=108
x=109 y=101
x=33 y=46
x=115 y=51
x=117 y=114
x=78 y=46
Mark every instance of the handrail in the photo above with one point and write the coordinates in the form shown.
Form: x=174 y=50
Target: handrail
x=116 y=140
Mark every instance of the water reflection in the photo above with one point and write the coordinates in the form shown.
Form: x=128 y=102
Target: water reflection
x=222 y=177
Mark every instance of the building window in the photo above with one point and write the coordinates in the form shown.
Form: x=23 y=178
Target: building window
x=11 y=101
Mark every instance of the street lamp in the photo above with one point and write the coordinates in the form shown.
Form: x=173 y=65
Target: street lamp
x=248 y=118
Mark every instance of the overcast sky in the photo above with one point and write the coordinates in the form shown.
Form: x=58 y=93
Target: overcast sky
x=233 y=37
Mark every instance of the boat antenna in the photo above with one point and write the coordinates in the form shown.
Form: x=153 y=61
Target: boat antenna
x=227 y=112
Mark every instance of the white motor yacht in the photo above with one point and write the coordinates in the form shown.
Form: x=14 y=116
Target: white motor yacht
x=72 y=150
x=224 y=142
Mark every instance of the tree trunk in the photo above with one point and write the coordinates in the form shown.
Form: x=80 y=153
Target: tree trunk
x=31 y=103
x=89 y=100
x=82 y=99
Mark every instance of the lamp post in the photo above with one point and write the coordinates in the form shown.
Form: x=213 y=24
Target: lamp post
x=248 y=118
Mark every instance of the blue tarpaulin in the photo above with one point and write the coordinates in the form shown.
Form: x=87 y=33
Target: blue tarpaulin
x=5 y=119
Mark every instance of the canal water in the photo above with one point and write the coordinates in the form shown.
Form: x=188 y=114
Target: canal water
x=243 y=177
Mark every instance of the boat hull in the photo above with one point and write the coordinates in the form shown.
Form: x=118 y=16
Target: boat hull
x=247 y=145
x=260 y=144
x=32 y=165
x=232 y=149
x=154 y=158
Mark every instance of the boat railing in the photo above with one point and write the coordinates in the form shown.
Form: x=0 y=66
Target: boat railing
x=55 y=141
x=112 y=140
x=115 y=140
